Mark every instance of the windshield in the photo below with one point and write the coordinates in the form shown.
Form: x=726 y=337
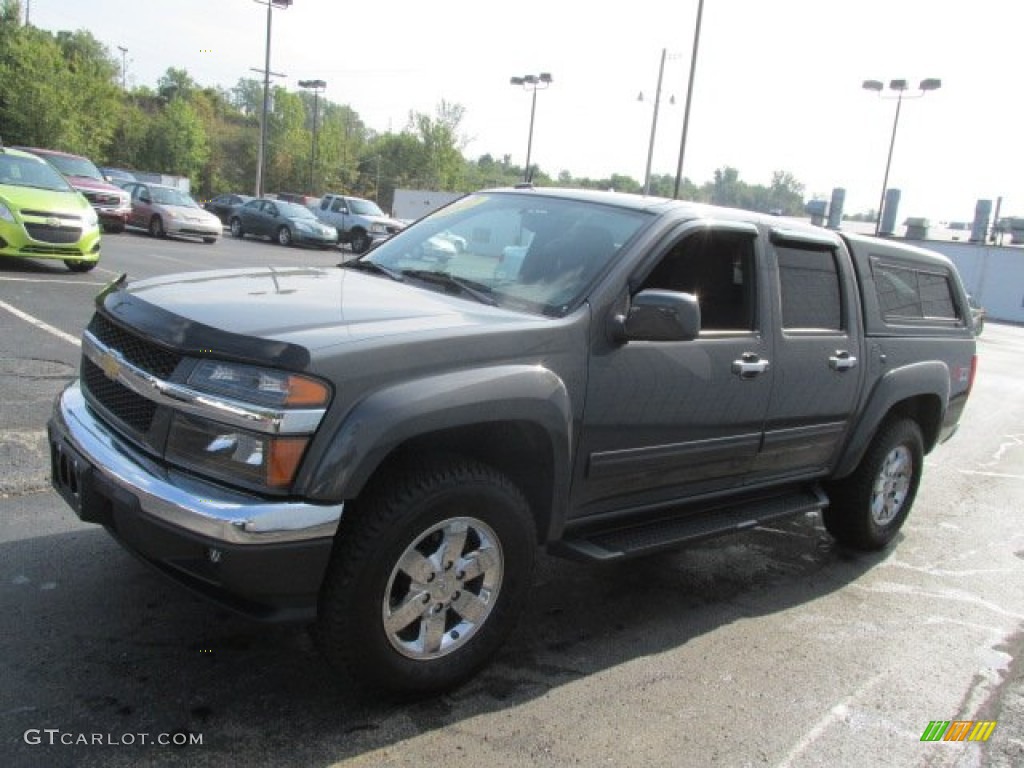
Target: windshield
x=30 y=172
x=294 y=211
x=365 y=208
x=169 y=196
x=75 y=166
x=531 y=252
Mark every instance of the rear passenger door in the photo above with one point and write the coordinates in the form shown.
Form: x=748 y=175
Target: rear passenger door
x=818 y=355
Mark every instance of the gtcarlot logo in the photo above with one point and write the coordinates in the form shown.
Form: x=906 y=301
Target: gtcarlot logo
x=55 y=737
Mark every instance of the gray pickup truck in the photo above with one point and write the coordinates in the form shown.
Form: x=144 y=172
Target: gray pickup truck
x=360 y=223
x=380 y=448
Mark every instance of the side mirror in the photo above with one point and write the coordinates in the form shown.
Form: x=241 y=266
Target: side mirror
x=657 y=315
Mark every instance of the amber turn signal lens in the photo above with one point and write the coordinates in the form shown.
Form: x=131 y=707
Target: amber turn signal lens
x=303 y=391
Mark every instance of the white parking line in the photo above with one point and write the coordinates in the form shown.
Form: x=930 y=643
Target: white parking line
x=40 y=324
x=40 y=280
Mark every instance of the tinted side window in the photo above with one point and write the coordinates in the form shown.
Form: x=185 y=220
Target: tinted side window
x=810 y=288
x=718 y=268
x=908 y=293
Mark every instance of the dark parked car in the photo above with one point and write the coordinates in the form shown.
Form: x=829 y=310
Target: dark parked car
x=222 y=206
x=287 y=223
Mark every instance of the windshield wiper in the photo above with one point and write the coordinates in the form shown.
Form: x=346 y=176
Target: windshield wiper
x=478 y=291
x=369 y=266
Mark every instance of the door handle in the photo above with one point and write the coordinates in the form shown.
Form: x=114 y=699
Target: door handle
x=749 y=366
x=842 y=361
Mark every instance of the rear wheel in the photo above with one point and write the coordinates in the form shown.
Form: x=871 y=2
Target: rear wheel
x=869 y=507
x=156 y=227
x=284 y=236
x=428 y=577
x=79 y=266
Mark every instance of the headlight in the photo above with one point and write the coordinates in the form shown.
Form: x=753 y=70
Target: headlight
x=91 y=219
x=5 y=213
x=267 y=459
x=264 y=386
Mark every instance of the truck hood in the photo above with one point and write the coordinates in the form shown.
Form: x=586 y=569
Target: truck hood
x=305 y=308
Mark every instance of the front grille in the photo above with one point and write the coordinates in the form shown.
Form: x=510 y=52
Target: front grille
x=52 y=250
x=134 y=410
x=47 y=233
x=139 y=352
x=102 y=198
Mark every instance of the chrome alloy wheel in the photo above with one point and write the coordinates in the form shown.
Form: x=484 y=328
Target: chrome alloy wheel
x=892 y=485
x=442 y=588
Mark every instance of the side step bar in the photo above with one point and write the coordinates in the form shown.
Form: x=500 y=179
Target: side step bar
x=618 y=542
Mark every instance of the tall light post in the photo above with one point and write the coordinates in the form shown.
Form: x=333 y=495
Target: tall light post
x=689 y=99
x=901 y=88
x=124 y=66
x=654 y=122
x=316 y=86
x=531 y=83
x=271 y=5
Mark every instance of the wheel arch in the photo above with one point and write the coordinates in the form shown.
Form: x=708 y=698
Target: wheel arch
x=918 y=392
x=514 y=418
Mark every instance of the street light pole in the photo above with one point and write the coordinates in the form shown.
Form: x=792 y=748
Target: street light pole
x=124 y=66
x=531 y=83
x=900 y=86
x=271 y=4
x=317 y=86
x=689 y=100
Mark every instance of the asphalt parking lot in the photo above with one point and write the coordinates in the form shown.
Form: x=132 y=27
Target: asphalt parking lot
x=770 y=648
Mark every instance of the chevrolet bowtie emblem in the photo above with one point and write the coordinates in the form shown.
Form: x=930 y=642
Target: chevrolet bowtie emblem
x=52 y=221
x=111 y=365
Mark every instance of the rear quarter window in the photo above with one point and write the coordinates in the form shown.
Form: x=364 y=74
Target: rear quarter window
x=916 y=294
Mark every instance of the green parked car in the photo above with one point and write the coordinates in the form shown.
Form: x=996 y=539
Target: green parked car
x=42 y=216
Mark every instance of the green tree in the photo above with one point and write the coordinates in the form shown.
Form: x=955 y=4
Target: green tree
x=177 y=142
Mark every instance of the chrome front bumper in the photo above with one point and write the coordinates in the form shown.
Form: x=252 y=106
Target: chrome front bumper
x=174 y=498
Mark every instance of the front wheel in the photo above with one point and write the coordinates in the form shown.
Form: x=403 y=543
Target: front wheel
x=284 y=236
x=236 y=228
x=79 y=266
x=428 y=576
x=156 y=227
x=869 y=507
x=360 y=241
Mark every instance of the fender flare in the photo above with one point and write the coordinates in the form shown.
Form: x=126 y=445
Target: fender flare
x=389 y=417
x=896 y=386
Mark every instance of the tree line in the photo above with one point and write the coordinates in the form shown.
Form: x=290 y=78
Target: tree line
x=64 y=91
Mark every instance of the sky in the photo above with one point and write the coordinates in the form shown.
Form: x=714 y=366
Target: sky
x=777 y=86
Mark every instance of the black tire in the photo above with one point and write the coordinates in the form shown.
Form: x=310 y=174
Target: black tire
x=236 y=228
x=284 y=236
x=414 y=515
x=114 y=229
x=360 y=241
x=209 y=240
x=869 y=507
x=156 y=227
x=79 y=266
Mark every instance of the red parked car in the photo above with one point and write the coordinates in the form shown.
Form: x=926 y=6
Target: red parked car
x=112 y=204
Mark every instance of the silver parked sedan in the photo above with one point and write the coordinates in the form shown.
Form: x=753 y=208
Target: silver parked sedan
x=168 y=211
